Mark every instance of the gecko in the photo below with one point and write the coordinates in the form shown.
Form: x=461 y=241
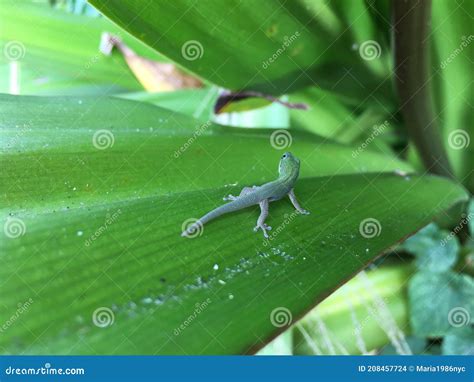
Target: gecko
x=288 y=172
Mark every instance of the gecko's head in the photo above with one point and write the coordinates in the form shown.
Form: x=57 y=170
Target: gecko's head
x=289 y=165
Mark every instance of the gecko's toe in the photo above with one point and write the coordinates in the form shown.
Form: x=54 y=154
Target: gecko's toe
x=264 y=229
x=304 y=212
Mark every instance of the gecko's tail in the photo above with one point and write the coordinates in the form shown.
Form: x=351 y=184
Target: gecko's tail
x=193 y=228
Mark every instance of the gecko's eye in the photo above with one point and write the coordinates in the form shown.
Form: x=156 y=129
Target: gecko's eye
x=284 y=156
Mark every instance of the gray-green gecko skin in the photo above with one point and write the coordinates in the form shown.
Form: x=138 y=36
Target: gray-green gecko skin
x=288 y=169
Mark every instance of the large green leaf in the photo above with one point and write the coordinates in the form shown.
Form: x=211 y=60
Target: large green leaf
x=92 y=227
x=149 y=154
x=271 y=46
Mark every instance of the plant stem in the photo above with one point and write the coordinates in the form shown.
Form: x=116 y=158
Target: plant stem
x=412 y=68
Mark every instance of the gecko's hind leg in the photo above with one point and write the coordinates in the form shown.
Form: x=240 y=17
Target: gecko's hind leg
x=245 y=191
x=295 y=203
x=261 y=219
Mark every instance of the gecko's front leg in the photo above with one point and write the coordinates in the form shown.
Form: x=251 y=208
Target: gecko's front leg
x=295 y=203
x=261 y=219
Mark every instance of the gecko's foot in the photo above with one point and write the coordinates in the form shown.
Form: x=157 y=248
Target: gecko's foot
x=229 y=197
x=264 y=228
